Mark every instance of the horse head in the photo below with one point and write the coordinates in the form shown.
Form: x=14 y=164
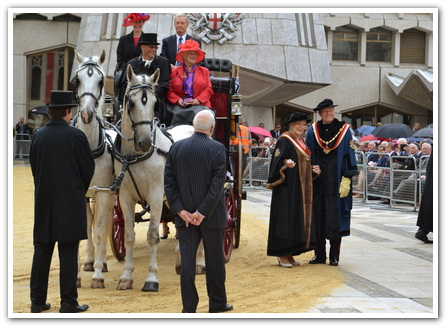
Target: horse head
x=89 y=81
x=138 y=108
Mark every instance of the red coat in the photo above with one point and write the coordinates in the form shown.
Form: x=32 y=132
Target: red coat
x=203 y=90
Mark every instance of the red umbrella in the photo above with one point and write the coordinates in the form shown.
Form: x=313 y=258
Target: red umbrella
x=371 y=137
x=259 y=131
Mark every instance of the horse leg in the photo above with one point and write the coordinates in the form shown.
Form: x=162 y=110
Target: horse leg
x=200 y=264
x=88 y=263
x=104 y=210
x=151 y=283
x=128 y=207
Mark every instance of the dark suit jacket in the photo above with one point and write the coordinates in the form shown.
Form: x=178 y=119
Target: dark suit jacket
x=273 y=133
x=194 y=179
x=62 y=167
x=138 y=66
x=169 y=47
x=203 y=90
x=126 y=51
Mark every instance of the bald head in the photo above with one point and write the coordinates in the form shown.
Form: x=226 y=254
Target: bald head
x=204 y=122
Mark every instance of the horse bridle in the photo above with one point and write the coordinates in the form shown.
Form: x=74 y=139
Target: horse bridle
x=143 y=88
x=90 y=65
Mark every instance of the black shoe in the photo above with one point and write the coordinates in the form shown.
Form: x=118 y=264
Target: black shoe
x=184 y=311
x=71 y=308
x=317 y=259
x=333 y=261
x=420 y=235
x=225 y=308
x=39 y=308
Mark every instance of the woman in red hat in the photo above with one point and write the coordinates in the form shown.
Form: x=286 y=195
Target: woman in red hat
x=128 y=47
x=190 y=88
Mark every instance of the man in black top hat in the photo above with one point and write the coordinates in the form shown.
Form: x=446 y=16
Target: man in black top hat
x=332 y=147
x=147 y=63
x=62 y=167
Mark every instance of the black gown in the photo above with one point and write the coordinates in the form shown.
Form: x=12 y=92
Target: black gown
x=291 y=226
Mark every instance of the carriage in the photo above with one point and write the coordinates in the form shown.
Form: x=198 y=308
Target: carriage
x=135 y=175
x=226 y=103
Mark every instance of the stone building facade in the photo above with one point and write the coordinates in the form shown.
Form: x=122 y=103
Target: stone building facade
x=288 y=61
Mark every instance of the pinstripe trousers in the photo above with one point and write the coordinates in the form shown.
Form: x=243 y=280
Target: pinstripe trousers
x=189 y=239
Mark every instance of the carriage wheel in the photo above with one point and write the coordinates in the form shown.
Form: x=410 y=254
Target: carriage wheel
x=117 y=233
x=231 y=219
x=238 y=195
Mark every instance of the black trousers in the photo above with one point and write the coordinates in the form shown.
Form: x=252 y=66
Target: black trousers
x=335 y=244
x=189 y=239
x=40 y=271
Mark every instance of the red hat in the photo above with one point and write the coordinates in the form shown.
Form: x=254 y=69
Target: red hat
x=134 y=17
x=190 y=45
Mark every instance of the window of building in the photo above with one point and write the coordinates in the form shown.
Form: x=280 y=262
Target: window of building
x=345 y=42
x=378 y=45
x=412 y=47
x=36 y=77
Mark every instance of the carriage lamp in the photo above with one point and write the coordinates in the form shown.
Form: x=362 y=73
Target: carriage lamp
x=108 y=106
x=236 y=104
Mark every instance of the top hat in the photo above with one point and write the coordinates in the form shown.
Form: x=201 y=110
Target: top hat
x=134 y=17
x=296 y=116
x=190 y=45
x=61 y=99
x=149 y=39
x=325 y=104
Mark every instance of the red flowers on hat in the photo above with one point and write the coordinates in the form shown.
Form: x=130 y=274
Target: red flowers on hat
x=134 y=17
x=190 y=45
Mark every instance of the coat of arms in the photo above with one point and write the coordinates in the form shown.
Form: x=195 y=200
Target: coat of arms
x=215 y=27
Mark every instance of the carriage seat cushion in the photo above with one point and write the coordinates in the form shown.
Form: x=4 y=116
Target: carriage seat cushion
x=222 y=84
x=218 y=65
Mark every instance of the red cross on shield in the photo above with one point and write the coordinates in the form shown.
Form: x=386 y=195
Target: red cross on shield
x=214 y=21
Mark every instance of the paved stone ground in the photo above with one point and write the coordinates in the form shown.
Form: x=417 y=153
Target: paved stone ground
x=385 y=267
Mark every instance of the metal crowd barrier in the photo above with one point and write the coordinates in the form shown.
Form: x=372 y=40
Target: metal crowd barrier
x=395 y=183
x=257 y=171
x=21 y=147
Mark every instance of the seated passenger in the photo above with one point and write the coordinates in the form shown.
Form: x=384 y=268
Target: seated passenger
x=190 y=88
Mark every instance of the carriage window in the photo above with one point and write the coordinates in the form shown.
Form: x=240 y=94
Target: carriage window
x=345 y=43
x=378 y=45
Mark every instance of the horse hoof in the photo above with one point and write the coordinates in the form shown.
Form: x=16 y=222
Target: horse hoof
x=78 y=282
x=178 y=268
x=97 y=283
x=104 y=268
x=150 y=287
x=88 y=266
x=200 y=270
x=125 y=284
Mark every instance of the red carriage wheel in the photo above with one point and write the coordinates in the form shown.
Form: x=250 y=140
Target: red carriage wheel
x=117 y=233
x=231 y=216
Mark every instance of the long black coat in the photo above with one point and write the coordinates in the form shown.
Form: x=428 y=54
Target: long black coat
x=62 y=167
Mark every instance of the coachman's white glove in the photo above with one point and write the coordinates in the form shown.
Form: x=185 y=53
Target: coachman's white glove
x=344 y=186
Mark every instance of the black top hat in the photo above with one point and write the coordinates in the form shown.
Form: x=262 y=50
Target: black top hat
x=61 y=99
x=297 y=116
x=324 y=104
x=149 y=39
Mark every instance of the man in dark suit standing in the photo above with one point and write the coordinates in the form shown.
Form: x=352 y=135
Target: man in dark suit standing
x=62 y=167
x=276 y=132
x=194 y=185
x=170 y=44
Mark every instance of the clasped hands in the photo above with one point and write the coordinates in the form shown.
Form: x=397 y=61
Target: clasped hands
x=193 y=102
x=191 y=218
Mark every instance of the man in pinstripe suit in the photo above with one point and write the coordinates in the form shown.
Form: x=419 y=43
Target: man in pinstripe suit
x=194 y=185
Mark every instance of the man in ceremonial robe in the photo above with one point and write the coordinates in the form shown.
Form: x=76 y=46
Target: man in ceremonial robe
x=333 y=150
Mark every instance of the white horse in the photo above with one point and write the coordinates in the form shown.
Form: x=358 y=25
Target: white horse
x=89 y=89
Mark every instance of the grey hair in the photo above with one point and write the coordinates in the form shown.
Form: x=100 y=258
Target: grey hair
x=203 y=120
